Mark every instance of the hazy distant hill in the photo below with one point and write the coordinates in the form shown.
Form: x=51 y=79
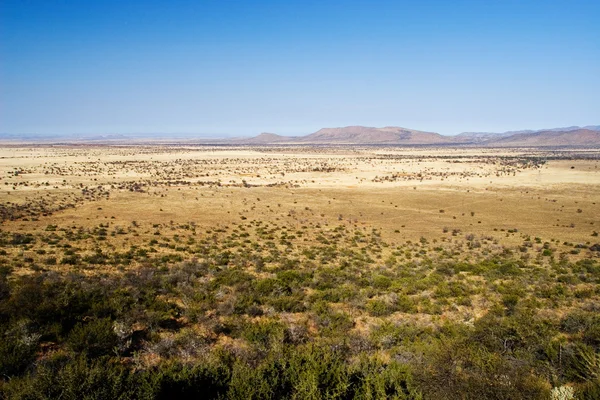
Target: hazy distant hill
x=479 y=137
x=482 y=137
x=357 y=135
x=592 y=127
x=369 y=135
x=267 y=138
x=577 y=137
x=393 y=135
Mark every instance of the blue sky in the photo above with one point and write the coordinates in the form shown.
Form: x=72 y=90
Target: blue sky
x=238 y=68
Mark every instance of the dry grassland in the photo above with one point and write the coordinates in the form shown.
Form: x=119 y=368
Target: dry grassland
x=407 y=194
x=190 y=253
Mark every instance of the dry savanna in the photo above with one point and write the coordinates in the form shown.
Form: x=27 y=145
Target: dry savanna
x=298 y=271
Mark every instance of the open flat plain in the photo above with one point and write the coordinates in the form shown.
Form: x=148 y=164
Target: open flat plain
x=405 y=193
x=385 y=251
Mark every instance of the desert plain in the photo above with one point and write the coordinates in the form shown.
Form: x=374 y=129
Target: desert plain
x=406 y=193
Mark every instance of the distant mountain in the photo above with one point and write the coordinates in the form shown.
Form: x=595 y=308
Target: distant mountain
x=592 y=127
x=548 y=138
x=355 y=135
x=392 y=135
x=481 y=137
x=368 y=135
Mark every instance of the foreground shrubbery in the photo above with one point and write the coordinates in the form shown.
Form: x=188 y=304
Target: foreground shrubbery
x=77 y=337
x=320 y=320
x=302 y=373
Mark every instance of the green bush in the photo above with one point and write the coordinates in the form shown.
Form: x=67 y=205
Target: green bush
x=17 y=350
x=463 y=370
x=371 y=379
x=263 y=333
x=173 y=380
x=378 y=308
x=75 y=379
x=95 y=338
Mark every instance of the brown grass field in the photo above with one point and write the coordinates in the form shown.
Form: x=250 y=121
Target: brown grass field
x=405 y=193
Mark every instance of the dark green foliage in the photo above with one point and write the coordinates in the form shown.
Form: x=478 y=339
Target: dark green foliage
x=4 y=286
x=306 y=372
x=331 y=322
x=458 y=369
x=178 y=381
x=589 y=390
x=21 y=239
x=372 y=379
x=292 y=303
x=94 y=338
x=379 y=308
x=264 y=333
x=17 y=350
x=75 y=379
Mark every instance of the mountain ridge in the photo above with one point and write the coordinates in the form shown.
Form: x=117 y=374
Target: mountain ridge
x=483 y=136
x=395 y=135
x=356 y=135
x=548 y=138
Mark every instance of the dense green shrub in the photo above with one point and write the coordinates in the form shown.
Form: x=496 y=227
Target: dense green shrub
x=94 y=338
x=75 y=379
x=17 y=350
x=463 y=370
x=371 y=379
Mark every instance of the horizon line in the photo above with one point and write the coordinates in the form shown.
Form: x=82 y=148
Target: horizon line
x=243 y=136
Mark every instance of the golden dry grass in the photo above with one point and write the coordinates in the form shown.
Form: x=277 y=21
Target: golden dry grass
x=423 y=193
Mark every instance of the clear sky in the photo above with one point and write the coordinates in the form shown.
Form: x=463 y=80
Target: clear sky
x=229 y=68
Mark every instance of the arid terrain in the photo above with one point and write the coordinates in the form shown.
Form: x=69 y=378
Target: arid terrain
x=397 y=254
x=405 y=193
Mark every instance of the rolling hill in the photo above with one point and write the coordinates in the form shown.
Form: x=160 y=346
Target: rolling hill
x=266 y=138
x=357 y=135
x=548 y=138
x=390 y=135
x=368 y=135
x=393 y=135
x=493 y=137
